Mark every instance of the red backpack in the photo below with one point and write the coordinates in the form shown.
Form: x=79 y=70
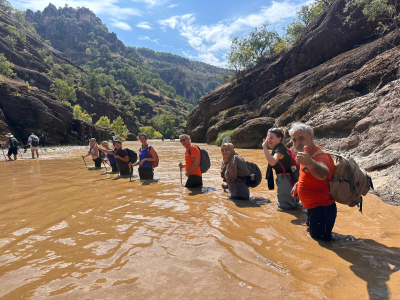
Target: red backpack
x=293 y=164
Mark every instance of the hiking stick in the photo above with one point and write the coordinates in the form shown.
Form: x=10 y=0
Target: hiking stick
x=4 y=154
x=84 y=161
x=130 y=173
x=181 y=176
x=104 y=165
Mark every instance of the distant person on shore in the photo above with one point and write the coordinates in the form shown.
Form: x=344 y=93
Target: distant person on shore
x=85 y=138
x=312 y=187
x=280 y=161
x=192 y=160
x=33 y=141
x=94 y=153
x=12 y=143
x=147 y=155
x=234 y=171
x=43 y=139
x=110 y=156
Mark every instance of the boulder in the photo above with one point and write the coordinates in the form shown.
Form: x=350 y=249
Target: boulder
x=251 y=133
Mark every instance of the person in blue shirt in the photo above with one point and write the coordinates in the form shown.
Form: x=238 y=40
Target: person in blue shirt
x=147 y=155
x=110 y=157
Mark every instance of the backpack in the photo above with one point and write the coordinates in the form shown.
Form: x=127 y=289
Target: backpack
x=132 y=155
x=13 y=142
x=204 y=160
x=349 y=183
x=35 y=141
x=254 y=170
x=154 y=162
x=294 y=166
x=102 y=155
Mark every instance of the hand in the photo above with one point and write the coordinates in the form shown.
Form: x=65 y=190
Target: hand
x=294 y=191
x=117 y=156
x=303 y=158
x=187 y=174
x=142 y=161
x=180 y=165
x=224 y=186
x=264 y=144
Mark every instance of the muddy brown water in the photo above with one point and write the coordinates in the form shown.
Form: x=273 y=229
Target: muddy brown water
x=68 y=232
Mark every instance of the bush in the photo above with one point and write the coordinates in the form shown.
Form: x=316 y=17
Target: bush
x=119 y=128
x=104 y=121
x=224 y=137
x=5 y=66
x=150 y=132
x=81 y=114
x=63 y=91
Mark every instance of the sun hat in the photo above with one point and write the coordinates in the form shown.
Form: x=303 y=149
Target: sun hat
x=9 y=135
x=93 y=139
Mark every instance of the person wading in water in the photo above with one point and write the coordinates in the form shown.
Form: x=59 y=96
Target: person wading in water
x=192 y=159
x=234 y=171
x=94 y=152
x=145 y=161
x=110 y=156
x=121 y=156
x=280 y=161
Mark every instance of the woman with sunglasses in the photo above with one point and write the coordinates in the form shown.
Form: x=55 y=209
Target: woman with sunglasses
x=280 y=161
x=234 y=171
x=147 y=155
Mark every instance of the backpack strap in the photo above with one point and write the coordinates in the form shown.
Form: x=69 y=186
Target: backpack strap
x=148 y=151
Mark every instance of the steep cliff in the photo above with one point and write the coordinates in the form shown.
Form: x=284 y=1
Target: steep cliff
x=341 y=79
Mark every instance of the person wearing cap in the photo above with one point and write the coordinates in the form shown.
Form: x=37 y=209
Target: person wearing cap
x=12 y=143
x=33 y=141
x=94 y=152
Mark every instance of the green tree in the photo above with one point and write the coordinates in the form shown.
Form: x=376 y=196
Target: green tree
x=93 y=84
x=104 y=50
x=6 y=66
x=384 y=11
x=5 y=5
x=108 y=92
x=167 y=124
x=119 y=127
x=81 y=114
x=104 y=121
x=19 y=17
x=10 y=41
x=63 y=91
x=88 y=52
x=261 y=41
x=150 y=132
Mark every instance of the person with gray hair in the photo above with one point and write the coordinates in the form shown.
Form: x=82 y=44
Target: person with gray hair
x=313 y=187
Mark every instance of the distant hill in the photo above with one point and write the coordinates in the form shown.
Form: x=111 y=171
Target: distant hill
x=191 y=79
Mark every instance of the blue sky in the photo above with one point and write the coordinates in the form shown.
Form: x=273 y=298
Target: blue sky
x=199 y=30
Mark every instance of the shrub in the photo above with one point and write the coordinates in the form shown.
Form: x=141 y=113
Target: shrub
x=224 y=137
x=104 y=121
x=81 y=114
x=5 y=66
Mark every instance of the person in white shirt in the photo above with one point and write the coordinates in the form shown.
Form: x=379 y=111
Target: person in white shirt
x=33 y=141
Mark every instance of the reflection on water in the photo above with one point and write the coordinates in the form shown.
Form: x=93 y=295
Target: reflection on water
x=70 y=233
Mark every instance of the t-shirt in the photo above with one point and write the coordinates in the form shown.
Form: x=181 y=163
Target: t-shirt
x=33 y=136
x=285 y=161
x=144 y=154
x=194 y=152
x=312 y=191
x=111 y=158
x=122 y=165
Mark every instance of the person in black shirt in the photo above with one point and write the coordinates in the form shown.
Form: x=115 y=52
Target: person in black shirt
x=280 y=161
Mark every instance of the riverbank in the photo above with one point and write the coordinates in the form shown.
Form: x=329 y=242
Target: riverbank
x=73 y=233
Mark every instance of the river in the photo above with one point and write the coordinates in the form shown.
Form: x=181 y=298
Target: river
x=69 y=232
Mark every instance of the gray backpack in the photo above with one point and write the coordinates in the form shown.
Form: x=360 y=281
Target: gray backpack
x=349 y=183
x=204 y=160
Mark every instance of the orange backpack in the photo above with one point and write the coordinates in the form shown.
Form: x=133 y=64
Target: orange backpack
x=154 y=162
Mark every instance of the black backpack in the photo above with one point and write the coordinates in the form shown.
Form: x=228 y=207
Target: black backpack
x=204 y=160
x=102 y=155
x=254 y=169
x=35 y=141
x=13 y=142
x=132 y=155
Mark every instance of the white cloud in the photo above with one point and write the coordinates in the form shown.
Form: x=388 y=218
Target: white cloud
x=106 y=7
x=144 y=25
x=121 y=25
x=146 y=38
x=171 y=6
x=152 y=3
x=211 y=43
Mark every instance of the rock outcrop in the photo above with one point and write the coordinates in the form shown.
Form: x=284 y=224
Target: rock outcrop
x=343 y=81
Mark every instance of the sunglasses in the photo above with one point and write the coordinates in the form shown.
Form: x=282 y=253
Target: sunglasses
x=272 y=129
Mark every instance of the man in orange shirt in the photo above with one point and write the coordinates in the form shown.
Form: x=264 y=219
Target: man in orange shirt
x=312 y=187
x=192 y=163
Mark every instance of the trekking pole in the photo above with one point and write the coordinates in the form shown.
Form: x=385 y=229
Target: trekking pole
x=84 y=161
x=181 y=176
x=130 y=173
x=4 y=154
x=104 y=165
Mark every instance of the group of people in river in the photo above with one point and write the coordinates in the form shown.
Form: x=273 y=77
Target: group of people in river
x=308 y=182
x=33 y=142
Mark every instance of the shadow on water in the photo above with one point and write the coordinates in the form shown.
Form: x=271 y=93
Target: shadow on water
x=371 y=261
x=200 y=190
x=297 y=212
x=149 y=181
x=252 y=202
